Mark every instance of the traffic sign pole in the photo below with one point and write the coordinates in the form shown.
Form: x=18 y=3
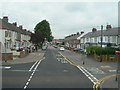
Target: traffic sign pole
x=118 y=60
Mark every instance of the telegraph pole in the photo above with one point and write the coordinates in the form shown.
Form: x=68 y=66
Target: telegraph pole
x=101 y=39
x=101 y=35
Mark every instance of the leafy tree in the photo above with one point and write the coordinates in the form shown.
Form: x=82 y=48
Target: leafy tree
x=44 y=28
x=37 y=38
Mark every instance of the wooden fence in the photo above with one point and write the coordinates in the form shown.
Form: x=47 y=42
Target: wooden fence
x=106 y=58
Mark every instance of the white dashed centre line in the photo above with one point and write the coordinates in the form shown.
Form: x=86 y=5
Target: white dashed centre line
x=35 y=66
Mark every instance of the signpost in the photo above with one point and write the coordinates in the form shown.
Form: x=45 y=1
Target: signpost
x=118 y=69
x=117 y=52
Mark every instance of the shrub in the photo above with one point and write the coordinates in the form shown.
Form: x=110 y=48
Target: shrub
x=92 y=49
x=101 y=51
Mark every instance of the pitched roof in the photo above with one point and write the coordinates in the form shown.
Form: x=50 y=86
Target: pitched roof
x=109 y=32
x=11 y=27
x=73 y=37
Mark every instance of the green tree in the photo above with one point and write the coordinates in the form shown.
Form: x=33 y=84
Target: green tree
x=44 y=28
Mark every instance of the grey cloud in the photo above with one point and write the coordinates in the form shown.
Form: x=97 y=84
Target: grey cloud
x=76 y=7
x=65 y=18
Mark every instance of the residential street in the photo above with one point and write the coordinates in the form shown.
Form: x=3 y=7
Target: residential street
x=52 y=71
x=59 y=44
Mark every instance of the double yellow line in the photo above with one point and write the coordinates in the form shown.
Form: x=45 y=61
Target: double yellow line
x=96 y=86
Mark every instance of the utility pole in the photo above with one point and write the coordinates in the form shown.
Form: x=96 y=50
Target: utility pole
x=101 y=39
x=101 y=35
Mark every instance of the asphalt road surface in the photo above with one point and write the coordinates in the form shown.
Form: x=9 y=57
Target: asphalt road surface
x=53 y=71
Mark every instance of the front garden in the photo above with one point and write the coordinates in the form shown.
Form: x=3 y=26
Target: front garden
x=102 y=54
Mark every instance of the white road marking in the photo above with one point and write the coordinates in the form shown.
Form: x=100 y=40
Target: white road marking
x=25 y=87
x=31 y=77
x=112 y=70
x=37 y=66
x=62 y=60
x=5 y=67
x=27 y=83
x=29 y=80
x=88 y=75
x=96 y=70
x=33 y=66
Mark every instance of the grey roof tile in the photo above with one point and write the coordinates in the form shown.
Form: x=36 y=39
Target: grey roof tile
x=11 y=27
x=109 y=32
x=74 y=37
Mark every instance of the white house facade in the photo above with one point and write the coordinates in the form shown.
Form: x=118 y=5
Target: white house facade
x=110 y=35
x=12 y=37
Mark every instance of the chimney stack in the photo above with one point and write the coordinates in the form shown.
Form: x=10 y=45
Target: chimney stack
x=94 y=29
x=15 y=24
x=5 y=18
x=108 y=27
x=20 y=27
x=78 y=33
x=82 y=32
x=25 y=29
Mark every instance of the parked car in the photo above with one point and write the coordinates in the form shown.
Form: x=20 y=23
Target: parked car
x=54 y=46
x=44 y=47
x=62 y=49
x=79 y=49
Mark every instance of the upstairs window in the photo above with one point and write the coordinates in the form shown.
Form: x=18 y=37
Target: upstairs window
x=6 y=34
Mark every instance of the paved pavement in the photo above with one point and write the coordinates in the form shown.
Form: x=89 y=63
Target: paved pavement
x=32 y=57
x=105 y=72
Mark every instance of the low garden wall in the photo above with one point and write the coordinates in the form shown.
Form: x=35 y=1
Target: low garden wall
x=0 y=56
x=7 y=56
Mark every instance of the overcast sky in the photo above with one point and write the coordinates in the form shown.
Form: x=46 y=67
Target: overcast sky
x=64 y=17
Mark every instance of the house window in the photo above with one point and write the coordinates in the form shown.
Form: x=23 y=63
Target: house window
x=7 y=45
x=91 y=40
x=6 y=34
x=113 y=39
x=95 y=39
x=10 y=34
x=87 y=39
x=106 y=39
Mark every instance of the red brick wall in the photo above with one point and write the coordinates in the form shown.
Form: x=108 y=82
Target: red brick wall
x=7 y=56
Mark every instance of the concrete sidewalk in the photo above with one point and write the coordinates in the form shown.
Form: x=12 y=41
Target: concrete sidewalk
x=32 y=57
x=104 y=71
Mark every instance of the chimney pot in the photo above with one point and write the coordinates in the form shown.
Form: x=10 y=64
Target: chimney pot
x=5 y=18
x=94 y=29
x=20 y=27
x=108 y=27
x=15 y=24
x=78 y=33
x=82 y=32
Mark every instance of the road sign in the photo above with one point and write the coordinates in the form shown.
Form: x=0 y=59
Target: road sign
x=117 y=51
